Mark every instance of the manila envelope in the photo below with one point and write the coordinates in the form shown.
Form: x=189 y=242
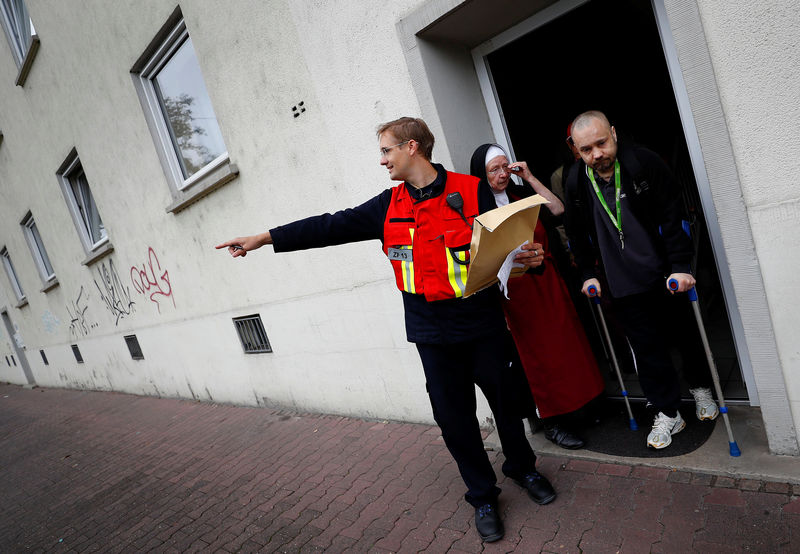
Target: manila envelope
x=494 y=235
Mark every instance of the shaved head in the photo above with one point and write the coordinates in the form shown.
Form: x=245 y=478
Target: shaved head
x=586 y=118
x=596 y=142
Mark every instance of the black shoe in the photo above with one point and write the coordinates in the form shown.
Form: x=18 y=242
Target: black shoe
x=488 y=524
x=563 y=438
x=539 y=488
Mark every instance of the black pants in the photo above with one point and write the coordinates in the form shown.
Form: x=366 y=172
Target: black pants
x=451 y=372
x=654 y=322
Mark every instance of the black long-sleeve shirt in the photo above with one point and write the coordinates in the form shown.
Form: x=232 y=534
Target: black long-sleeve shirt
x=440 y=322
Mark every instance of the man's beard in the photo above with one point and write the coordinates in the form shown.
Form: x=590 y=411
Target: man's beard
x=603 y=165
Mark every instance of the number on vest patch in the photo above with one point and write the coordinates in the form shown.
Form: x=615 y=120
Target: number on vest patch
x=400 y=254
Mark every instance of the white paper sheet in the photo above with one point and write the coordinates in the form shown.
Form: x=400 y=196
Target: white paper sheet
x=508 y=265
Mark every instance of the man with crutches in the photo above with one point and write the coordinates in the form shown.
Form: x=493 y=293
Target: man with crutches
x=623 y=210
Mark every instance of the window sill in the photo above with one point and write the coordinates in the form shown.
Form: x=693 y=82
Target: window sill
x=222 y=175
x=27 y=63
x=22 y=303
x=49 y=285
x=103 y=250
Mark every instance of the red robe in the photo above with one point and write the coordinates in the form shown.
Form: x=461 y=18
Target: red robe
x=558 y=361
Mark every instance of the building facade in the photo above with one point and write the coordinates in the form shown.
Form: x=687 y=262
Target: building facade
x=136 y=138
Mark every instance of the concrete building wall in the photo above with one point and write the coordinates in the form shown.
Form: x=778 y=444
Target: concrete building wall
x=754 y=51
x=334 y=318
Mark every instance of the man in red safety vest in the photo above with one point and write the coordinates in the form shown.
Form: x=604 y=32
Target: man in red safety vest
x=425 y=225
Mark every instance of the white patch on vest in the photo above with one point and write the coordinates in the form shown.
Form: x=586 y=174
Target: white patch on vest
x=400 y=254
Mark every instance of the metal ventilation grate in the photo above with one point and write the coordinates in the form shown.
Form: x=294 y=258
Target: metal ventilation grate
x=44 y=358
x=78 y=357
x=133 y=347
x=252 y=334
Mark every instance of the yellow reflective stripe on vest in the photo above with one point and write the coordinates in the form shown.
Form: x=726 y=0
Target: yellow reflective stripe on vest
x=407 y=268
x=457 y=273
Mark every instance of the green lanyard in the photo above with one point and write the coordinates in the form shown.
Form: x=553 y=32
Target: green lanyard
x=617 y=221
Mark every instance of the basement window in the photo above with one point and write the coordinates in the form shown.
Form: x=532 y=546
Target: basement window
x=252 y=334
x=44 y=358
x=133 y=347
x=77 y=352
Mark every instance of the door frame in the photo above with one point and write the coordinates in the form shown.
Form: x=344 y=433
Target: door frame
x=497 y=119
x=437 y=39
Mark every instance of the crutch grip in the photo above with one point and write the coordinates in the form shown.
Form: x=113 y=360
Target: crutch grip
x=592 y=290
x=673 y=285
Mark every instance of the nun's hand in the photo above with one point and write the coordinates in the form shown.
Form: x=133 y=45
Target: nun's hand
x=532 y=255
x=523 y=172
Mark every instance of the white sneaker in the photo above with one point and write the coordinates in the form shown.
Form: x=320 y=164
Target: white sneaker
x=705 y=407
x=663 y=429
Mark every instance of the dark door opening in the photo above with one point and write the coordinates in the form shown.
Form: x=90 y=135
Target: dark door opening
x=607 y=56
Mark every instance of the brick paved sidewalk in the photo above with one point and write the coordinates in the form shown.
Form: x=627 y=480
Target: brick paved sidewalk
x=91 y=471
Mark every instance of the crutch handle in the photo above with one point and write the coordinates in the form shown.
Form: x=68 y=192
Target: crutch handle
x=673 y=285
x=592 y=290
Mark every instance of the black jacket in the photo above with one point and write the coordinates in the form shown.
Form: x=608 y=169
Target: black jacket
x=653 y=196
x=441 y=322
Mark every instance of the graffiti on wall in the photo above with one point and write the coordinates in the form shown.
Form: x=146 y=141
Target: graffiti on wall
x=79 y=325
x=115 y=296
x=50 y=322
x=150 y=280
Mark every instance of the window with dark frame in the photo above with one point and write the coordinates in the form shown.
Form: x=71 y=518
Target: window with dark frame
x=12 y=274
x=252 y=334
x=40 y=257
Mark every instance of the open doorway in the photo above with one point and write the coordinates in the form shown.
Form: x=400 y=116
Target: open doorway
x=608 y=56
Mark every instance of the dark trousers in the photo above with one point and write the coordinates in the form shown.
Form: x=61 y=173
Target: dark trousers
x=654 y=322
x=451 y=372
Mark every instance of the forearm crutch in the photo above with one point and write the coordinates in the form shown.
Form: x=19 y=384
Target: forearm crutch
x=673 y=286
x=592 y=290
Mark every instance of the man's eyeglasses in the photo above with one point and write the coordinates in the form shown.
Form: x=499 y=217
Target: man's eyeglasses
x=504 y=168
x=386 y=149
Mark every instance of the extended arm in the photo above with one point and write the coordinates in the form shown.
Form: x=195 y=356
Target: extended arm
x=363 y=222
x=555 y=206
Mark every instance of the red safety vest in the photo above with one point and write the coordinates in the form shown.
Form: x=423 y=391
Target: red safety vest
x=428 y=242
